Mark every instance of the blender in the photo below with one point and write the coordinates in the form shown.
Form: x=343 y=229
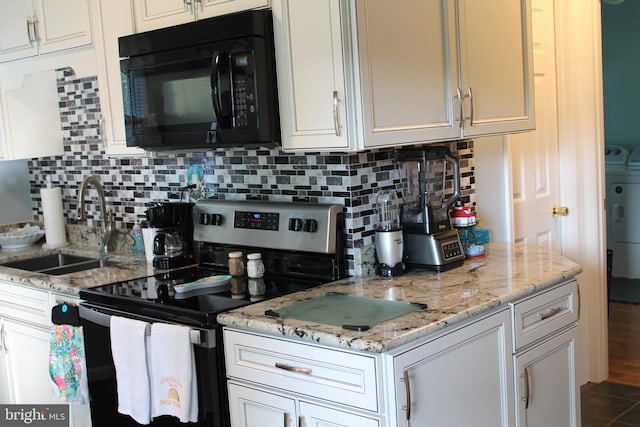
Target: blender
x=429 y=240
x=389 y=245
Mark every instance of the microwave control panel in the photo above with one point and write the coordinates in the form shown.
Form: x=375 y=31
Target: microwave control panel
x=244 y=90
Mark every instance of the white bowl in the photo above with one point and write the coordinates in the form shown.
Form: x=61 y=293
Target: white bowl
x=20 y=238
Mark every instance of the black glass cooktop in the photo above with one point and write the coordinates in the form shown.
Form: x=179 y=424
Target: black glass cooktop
x=154 y=297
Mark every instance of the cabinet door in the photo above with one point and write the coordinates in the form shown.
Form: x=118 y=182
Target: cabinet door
x=461 y=379
x=249 y=407
x=154 y=14
x=15 y=30
x=409 y=76
x=310 y=68
x=62 y=25
x=548 y=391
x=321 y=416
x=112 y=19
x=27 y=354
x=496 y=66
x=37 y=98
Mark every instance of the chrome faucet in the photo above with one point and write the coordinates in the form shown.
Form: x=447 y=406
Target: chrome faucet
x=108 y=222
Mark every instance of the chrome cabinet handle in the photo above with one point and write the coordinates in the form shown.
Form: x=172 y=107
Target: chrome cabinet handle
x=470 y=94
x=407 y=392
x=187 y=5
x=525 y=376
x=550 y=313
x=461 y=100
x=336 y=118
x=35 y=29
x=201 y=5
x=3 y=339
x=305 y=371
x=29 y=32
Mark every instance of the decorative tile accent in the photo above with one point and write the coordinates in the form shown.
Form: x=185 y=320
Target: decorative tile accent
x=133 y=184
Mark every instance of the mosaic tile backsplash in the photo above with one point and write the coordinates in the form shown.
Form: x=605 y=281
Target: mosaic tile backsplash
x=132 y=184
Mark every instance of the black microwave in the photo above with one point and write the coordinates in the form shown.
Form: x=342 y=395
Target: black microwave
x=202 y=85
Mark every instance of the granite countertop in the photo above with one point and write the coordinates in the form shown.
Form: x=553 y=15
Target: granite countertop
x=126 y=267
x=507 y=273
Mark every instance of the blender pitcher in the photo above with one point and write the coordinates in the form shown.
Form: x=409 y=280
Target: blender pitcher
x=389 y=242
x=426 y=210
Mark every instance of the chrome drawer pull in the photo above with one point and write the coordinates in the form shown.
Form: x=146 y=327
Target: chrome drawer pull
x=407 y=392
x=527 y=392
x=550 y=313
x=305 y=371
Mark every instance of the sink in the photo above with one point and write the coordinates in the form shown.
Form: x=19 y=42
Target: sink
x=58 y=264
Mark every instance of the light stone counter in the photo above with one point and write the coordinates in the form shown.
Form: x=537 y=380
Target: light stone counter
x=508 y=273
x=126 y=267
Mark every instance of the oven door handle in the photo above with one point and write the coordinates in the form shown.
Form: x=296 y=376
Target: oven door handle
x=205 y=338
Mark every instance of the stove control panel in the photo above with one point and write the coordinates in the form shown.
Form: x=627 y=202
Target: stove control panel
x=277 y=225
x=257 y=220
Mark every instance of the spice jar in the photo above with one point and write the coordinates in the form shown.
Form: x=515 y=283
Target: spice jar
x=236 y=264
x=255 y=266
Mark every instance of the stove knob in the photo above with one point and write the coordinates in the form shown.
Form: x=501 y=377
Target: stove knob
x=216 y=219
x=205 y=219
x=310 y=225
x=295 y=224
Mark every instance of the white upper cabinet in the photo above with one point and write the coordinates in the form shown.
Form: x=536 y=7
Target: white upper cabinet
x=367 y=73
x=496 y=66
x=409 y=71
x=311 y=66
x=153 y=14
x=32 y=27
x=112 y=19
x=32 y=125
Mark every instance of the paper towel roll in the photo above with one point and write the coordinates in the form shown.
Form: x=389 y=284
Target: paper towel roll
x=54 y=223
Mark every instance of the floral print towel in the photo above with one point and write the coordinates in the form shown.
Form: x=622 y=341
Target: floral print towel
x=67 y=366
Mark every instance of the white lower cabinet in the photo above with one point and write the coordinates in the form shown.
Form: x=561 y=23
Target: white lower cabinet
x=460 y=379
x=25 y=319
x=255 y=407
x=547 y=389
x=547 y=385
x=26 y=350
x=513 y=367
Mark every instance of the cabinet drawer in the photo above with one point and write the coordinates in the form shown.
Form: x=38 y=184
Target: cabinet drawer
x=26 y=304
x=327 y=374
x=544 y=314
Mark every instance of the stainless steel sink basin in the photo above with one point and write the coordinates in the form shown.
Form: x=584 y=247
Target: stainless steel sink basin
x=58 y=264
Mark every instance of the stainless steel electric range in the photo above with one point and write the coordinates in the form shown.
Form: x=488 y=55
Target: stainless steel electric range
x=302 y=245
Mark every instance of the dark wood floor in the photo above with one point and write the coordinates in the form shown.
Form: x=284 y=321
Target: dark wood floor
x=624 y=343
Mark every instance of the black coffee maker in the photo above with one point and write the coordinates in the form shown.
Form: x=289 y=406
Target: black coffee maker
x=173 y=244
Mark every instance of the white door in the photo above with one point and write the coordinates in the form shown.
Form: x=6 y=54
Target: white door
x=580 y=170
x=27 y=352
x=534 y=155
x=548 y=392
x=249 y=407
x=460 y=379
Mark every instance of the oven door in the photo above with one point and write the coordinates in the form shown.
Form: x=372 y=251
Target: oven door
x=209 y=359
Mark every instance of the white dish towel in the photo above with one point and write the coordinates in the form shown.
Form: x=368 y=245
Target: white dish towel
x=128 y=348
x=174 y=388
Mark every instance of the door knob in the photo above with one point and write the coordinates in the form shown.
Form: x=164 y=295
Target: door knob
x=560 y=211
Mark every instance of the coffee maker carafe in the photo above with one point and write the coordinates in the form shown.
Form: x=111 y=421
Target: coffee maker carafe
x=173 y=244
x=389 y=246
x=429 y=240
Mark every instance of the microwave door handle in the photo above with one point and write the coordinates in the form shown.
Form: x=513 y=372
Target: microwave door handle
x=214 y=86
x=219 y=64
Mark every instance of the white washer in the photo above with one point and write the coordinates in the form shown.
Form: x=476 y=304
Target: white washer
x=623 y=210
